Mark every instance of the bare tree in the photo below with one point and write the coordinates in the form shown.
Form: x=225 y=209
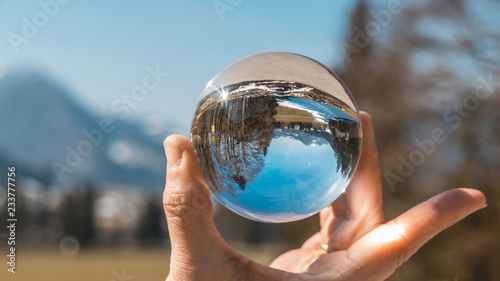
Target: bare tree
x=433 y=66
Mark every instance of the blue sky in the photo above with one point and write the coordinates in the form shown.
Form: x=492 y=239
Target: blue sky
x=306 y=185
x=100 y=50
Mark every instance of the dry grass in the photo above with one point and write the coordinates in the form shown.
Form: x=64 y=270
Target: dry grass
x=90 y=266
x=99 y=265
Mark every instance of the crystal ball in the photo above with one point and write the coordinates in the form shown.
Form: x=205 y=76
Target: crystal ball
x=277 y=136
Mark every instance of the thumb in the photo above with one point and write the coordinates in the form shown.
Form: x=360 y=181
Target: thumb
x=198 y=250
x=186 y=201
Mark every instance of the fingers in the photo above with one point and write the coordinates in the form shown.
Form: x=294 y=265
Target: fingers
x=359 y=209
x=419 y=224
x=389 y=245
x=186 y=201
x=376 y=255
x=313 y=242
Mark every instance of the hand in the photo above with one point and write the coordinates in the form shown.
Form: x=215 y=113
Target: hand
x=361 y=245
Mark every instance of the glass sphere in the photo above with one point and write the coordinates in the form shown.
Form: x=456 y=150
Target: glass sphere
x=277 y=136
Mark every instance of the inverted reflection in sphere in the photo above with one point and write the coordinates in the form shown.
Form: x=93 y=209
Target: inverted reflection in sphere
x=277 y=136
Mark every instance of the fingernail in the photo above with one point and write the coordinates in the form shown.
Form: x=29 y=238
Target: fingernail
x=173 y=153
x=485 y=205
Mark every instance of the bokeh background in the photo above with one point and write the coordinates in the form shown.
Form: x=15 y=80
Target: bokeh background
x=88 y=91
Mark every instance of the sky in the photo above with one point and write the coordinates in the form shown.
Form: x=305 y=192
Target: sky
x=281 y=193
x=101 y=50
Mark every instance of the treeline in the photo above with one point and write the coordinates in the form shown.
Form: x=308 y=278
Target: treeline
x=93 y=215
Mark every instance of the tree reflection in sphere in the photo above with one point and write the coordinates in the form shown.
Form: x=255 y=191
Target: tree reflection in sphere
x=277 y=136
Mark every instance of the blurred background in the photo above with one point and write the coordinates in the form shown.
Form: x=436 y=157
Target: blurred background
x=88 y=92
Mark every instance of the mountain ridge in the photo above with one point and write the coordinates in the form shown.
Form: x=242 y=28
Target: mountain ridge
x=43 y=124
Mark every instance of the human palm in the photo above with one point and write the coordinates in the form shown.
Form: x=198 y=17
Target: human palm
x=354 y=242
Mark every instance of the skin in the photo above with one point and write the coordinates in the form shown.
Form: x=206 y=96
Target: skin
x=361 y=244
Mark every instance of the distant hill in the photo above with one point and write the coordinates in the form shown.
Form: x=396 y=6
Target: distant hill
x=41 y=124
